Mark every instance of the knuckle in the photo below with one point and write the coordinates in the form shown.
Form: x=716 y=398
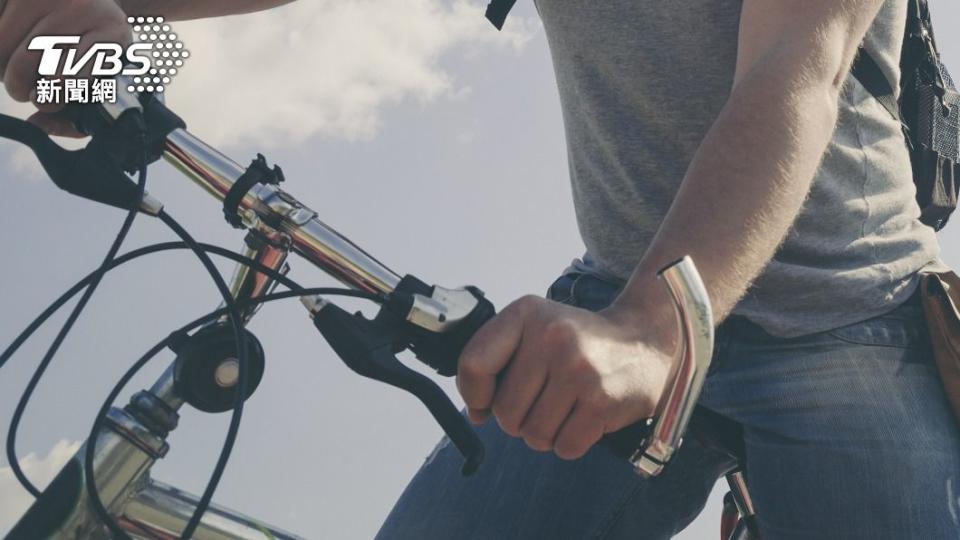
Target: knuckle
x=570 y=449
x=540 y=445
x=560 y=331
x=469 y=400
x=525 y=304
x=596 y=404
x=536 y=433
x=508 y=423
x=581 y=368
x=468 y=367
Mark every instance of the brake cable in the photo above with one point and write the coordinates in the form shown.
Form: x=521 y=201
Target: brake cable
x=101 y=416
x=71 y=171
x=236 y=322
x=25 y=135
x=296 y=290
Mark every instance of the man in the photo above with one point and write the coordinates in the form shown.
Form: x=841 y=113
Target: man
x=728 y=130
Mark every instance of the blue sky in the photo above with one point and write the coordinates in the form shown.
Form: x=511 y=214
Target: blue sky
x=412 y=127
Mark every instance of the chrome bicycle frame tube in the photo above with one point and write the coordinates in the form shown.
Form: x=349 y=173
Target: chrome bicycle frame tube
x=160 y=511
x=249 y=283
x=310 y=237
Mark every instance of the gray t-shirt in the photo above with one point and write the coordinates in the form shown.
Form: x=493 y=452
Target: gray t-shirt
x=641 y=82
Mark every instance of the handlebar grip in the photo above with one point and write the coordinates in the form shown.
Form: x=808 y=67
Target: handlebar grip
x=650 y=444
x=442 y=351
x=625 y=442
x=88 y=119
x=131 y=130
x=656 y=440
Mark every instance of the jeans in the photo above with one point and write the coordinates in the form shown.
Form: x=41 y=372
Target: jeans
x=848 y=435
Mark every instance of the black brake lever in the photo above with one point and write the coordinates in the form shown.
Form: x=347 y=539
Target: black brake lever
x=88 y=172
x=369 y=347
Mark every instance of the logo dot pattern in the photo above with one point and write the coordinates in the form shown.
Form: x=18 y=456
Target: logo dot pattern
x=167 y=53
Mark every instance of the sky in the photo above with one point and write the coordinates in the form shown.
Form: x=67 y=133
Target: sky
x=411 y=126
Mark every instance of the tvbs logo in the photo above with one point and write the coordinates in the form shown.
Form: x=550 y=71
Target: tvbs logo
x=108 y=59
x=150 y=63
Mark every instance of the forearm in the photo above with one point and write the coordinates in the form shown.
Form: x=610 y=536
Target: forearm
x=178 y=10
x=743 y=189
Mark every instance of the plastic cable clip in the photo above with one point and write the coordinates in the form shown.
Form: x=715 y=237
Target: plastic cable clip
x=257 y=173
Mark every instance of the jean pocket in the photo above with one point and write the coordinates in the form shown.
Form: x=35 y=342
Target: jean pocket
x=890 y=330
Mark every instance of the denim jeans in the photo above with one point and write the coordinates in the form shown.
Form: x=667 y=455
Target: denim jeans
x=848 y=435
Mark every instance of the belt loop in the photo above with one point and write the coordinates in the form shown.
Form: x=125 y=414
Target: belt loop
x=573 y=299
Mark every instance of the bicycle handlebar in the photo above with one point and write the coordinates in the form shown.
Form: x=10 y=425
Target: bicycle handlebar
x=314 y=240
x=442 y=320
x=441 y=310
x=435 y=322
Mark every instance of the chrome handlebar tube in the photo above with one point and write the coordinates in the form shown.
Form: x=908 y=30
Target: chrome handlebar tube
x=311 y=238
x=269 y=210
x=676 y=406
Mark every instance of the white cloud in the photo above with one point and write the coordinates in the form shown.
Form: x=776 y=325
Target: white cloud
x=321 y=67
x=40 y=470
x=325 y=67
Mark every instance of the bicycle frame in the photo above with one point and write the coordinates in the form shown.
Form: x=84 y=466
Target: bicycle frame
x=134 y=438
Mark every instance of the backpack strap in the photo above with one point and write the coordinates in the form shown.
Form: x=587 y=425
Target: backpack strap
x=497 y=11
x=866 y=70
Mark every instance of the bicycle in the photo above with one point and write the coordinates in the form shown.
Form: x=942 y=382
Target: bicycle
x=106 y=490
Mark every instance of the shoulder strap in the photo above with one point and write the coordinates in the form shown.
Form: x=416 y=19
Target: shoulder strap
x=497 y=11
x=867 y=71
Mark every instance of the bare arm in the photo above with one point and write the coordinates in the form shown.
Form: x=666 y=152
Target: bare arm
x=561 y=377
x=747 y=181
x=179 y=10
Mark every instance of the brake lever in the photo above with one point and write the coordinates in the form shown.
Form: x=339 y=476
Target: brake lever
x=369 y=347
x=90 y=172
x=125 y=135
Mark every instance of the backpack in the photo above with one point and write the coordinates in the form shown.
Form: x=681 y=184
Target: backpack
x=928 y=109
